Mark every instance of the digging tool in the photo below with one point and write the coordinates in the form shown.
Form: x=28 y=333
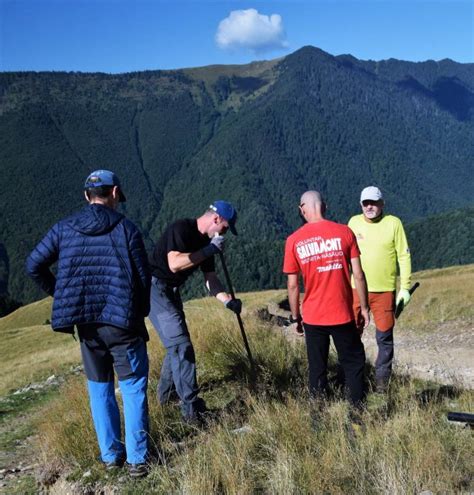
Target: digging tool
x=401 y=305
x=239 y=319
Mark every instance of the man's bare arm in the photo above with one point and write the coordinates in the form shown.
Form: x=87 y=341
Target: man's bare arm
x=215 y=287
x=182 y=261
x=294 y=294
x=178 y=261
x=361 y=287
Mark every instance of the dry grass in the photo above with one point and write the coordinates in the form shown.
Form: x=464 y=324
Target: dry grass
x=410 y=451
x=27 y=316
x=444 y=295
x=405 y=446
x=30 y=350
x=67 y=430
x=33 y=353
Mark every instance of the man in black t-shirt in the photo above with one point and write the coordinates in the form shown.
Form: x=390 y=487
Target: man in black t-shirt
x=185 y=246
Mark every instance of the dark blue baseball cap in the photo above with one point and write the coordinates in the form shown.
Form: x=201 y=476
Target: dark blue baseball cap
x=100 y=178
x=226 y=211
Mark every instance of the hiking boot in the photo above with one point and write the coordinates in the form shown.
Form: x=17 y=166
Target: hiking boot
x=171 y=398
x=210 y=416
x=381 y=385
x=138 y=470
x=202 y=419
x=115 y=464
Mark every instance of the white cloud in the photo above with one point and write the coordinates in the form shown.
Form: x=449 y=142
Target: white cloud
x=247 y=29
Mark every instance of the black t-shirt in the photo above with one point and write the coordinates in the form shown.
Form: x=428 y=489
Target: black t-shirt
x=183 y=236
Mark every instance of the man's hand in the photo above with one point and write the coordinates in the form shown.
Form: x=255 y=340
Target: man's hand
x=214 y=247
x=234 y=305
x=218 y=242
x=403 y=295
x=298 y=322
x=364 y=320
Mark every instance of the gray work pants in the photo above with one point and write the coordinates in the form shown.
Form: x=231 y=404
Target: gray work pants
x=383 y=363
x=178 y=372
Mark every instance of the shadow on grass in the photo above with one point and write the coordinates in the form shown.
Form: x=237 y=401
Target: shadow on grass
x=437 y=394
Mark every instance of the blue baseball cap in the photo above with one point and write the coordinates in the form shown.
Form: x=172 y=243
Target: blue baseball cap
x=100 y=178
x=226 y=211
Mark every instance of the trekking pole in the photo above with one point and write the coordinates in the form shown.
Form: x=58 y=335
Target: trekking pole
x=401 y=304
x=239 y=319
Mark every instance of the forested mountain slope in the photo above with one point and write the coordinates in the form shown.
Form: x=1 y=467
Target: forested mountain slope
x=443 y=240
x=258 y=135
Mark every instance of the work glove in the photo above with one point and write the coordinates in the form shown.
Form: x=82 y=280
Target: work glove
x=215 y=246
x=234 y=305
x=403 y=295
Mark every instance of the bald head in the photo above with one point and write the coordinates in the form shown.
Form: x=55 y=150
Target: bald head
x=312 y=206
x=311 y=199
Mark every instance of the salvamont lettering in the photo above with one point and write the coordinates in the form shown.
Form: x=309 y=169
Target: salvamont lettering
x=313 y=247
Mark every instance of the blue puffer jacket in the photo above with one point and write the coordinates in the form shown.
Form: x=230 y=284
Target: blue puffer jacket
x=102 y=274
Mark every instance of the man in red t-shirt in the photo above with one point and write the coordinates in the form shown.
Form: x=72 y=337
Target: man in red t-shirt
x=325 y=254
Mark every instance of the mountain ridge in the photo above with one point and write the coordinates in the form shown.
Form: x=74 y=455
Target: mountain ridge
x=258 y=135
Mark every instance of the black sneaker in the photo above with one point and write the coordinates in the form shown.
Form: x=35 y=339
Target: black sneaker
x=138 y=470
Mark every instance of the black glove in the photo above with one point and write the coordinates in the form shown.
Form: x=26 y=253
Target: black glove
x=234 y=305
x=215 y=246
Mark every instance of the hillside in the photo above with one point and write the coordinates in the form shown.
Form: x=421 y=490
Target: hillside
x=438 y=309
x=270 y=439
x=258 y=135
x=443 y=240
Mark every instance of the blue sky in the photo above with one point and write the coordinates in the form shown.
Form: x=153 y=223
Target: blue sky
x=122 y=35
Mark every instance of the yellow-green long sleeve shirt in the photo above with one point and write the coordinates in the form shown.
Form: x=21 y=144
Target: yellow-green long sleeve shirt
x=382 y=244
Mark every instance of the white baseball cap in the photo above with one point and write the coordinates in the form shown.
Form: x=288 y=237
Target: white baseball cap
x=371 y=193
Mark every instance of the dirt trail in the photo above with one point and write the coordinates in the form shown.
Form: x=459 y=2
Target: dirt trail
x=443 y=353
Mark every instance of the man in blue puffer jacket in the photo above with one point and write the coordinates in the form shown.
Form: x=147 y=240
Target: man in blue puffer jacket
x=102 y=287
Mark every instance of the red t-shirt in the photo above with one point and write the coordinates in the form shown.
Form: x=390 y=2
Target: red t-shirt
x=322 y=251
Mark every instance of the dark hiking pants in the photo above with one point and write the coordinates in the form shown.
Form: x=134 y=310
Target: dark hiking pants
x=351 y=355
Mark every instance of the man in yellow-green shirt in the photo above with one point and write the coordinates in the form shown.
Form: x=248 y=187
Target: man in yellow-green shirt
x=383 y=245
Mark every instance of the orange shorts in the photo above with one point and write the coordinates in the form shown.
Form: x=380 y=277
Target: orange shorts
x=382 y=307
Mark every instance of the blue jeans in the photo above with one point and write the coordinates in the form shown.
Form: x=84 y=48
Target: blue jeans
x=178 y=372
